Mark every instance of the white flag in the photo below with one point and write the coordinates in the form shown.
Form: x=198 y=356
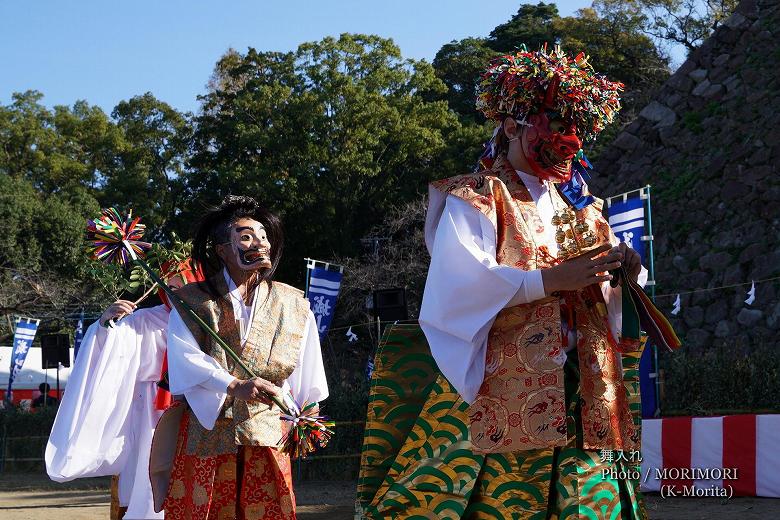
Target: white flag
x=677 y=304
x=751 y=294
x=351 y=335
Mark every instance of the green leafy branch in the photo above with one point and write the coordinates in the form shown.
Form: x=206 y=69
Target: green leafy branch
x=115 y=280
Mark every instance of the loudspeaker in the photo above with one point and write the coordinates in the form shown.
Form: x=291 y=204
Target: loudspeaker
x=390 y=304
x=55 y=350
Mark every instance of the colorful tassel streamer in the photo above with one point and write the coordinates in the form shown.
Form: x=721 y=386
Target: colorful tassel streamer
x=308 y=431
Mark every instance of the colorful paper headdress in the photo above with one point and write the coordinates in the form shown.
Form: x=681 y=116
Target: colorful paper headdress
x=528 y=82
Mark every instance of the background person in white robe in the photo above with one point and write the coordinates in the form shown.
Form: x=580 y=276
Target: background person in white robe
x=107 y=417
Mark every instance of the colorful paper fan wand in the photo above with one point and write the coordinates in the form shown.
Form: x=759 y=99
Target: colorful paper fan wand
x=118 y=240
x=113 y=237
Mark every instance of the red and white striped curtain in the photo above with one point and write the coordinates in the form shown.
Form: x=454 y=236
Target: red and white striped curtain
x=707 y=454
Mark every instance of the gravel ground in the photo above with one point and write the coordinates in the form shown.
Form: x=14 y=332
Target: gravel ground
x=33 y=496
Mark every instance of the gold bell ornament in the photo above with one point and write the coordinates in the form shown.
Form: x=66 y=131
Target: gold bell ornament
x=572 y=235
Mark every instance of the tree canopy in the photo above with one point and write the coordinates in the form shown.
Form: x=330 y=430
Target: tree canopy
x=611 y=33
x=682 y=22
x=331 y=136
x=334 y=136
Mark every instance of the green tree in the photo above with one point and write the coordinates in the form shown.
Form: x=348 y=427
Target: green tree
x=611 y=34
x=459 y=64
x=59 y=150
x=50 y=161
x=149 y=168
x=532 y=25
x=683 y=22
x=331 y=136
x=25 y=134
x=42 y=258
x=55 y=165
x=43 y=231
x=18 y=243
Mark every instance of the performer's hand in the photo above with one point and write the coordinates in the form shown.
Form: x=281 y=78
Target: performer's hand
x=264 y=389
x=116 y=310
x=257 y=389
x=581 y=271
x=632 y=262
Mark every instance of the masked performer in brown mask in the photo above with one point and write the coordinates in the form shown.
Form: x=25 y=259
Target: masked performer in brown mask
x=227 y=464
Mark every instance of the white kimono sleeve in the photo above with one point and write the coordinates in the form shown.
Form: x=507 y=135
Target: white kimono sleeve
x=194 y=374
x=466 y=289
x=307 y=382
x=95 y=430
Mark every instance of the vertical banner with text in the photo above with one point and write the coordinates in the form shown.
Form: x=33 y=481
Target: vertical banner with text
x=627 y=220
x=78 y=336
x=322 y=290
x=23 y=339
x=630 y=220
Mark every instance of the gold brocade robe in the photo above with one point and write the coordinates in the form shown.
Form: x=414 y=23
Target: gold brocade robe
x=521 y=404
x=271 y=350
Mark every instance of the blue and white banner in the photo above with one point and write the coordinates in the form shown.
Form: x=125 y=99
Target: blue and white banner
x=627 y=220
x=23 y=339
x=78 y=336
x=322 y=291
x=627 y=216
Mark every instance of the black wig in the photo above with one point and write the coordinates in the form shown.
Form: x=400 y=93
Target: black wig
x=214 y=227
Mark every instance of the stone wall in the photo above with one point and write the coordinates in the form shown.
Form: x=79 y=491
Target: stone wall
x=709 y=145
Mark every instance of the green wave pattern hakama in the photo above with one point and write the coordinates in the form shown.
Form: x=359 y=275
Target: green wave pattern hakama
x=417 y=461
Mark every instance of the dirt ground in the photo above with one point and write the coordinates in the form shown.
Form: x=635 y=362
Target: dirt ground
x=33 y=496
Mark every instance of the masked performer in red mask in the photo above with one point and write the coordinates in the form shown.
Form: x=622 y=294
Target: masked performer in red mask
x=115 y=396
x=522 y=320
x=227 y=464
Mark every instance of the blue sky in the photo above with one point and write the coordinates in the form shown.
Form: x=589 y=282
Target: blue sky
x=106 y=51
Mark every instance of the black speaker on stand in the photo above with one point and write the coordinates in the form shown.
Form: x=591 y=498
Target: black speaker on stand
x=388 y=305
x=55 y=351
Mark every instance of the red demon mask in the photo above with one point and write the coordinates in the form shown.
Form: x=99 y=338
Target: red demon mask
x=549 y=145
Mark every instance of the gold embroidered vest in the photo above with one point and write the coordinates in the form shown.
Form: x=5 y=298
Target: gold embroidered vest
x=271 y=351
x=521 y=404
